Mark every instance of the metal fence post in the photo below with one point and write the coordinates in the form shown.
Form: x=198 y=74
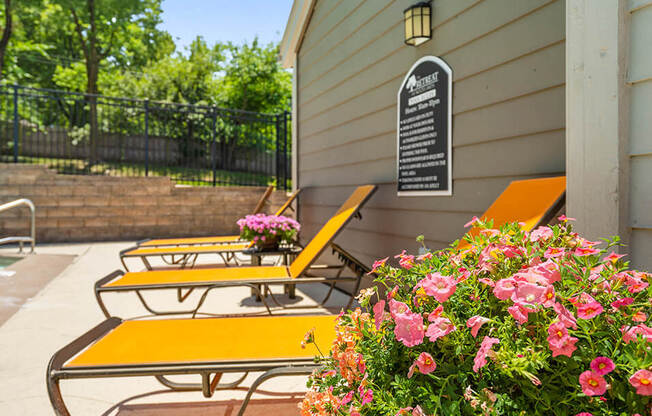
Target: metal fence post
x=214 y=149
x=15 y=123
x=279 y=184
x=146 y=137
x=286 y=165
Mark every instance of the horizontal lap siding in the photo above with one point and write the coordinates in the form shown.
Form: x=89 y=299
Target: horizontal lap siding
x=640 y=77
x=509 y=116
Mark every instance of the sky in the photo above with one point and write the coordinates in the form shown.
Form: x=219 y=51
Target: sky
x=225 y=20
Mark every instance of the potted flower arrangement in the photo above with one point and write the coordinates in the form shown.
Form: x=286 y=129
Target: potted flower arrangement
x=517 y=323
x=268 y=231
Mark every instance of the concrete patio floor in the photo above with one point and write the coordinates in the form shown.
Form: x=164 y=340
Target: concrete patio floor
x=59 y=309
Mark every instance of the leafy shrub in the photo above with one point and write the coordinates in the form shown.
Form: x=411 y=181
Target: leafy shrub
x=515 y=323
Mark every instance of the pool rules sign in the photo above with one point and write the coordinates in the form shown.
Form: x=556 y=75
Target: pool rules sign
x=424 y=148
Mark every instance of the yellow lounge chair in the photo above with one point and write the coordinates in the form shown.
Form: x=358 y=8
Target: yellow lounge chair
x=533 y=202
x=184 y=252
x=208 y=347
x=298 y=272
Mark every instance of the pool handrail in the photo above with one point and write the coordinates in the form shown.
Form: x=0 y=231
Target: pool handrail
x=25 y=239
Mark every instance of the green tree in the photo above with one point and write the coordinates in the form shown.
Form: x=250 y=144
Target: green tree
x=6 y=33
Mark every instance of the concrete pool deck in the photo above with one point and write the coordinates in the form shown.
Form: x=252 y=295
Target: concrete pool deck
x=62 y=307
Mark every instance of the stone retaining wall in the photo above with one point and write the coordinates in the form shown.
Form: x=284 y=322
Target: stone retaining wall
x=103 y=208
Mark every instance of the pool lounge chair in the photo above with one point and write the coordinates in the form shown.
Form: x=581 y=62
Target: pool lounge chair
x=207 y=347
x=184 y=252
x=184 y=241
x=533 y=202
x=259 y=279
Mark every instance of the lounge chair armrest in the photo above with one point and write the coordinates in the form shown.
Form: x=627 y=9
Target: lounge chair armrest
x=350 y=261
x=106 y=279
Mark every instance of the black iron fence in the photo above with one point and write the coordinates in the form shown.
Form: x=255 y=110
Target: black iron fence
x=97 y=135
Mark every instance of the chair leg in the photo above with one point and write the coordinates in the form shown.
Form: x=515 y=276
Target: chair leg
x=54 y=392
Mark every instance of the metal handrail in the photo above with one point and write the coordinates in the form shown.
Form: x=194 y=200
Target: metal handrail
x=21 y=240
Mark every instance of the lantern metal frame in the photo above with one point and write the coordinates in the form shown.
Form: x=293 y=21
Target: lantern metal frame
x=417 y=20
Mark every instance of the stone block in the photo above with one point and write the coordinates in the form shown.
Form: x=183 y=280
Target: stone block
x=96 y=222
x=12 y=191
x=69 y=223
x=96 y=201
x=72 y=201
x=87 y=190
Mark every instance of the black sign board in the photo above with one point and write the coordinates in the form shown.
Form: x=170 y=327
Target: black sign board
x=424 y=129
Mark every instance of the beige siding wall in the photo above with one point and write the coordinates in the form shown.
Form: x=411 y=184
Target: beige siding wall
x=509 y=117
x=640 y=138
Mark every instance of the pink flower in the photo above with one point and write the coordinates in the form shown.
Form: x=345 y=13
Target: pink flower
x=564 y=218
x=622 y=302
x=541 y=233
x=584 y=414
x=592 y=384
x=589 y=310
x=642 y=380
x=425 y=256
x=347 y=398
x=548 y=297
x=409 y=329
x=396 y=308
x=379 y=313
x=549 y=270
x=585 y=251
x=528 y=293
x=519 y=312
x=405 y=260
x=553 y=252
x=602 y=365
x=565 y=316
x=630 y=333
x=504 y=288
x=424 y=363
x=366 y=397
x=613 y=257
x=559 y=341
x=438 y=286
x=636 y=285
x=487 y=282
x=440 y=327
x=475 y=322
x=392 y=293
x=480 y=359
x=377 y=264
x=473 y=221
x=639 y=317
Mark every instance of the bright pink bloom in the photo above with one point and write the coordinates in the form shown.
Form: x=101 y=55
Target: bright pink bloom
x=635 y=285
x=519 y=312
x=347 y=398
x=392 y=293
x=475 y=322
x=589 y=310
x=593 y=384
x=436 y=313
x=409 y=329
x=377 y=264
x=613 y=257
x=602 y=365
x=424 y=363
x=487 y=282
x=565 y=316
x=504 y=288
x=565 y=347
x=584 y=414
x=548 y=297
x=473 y=221
x=585 y=251
x=397 y=308
x=630 y=333
x=564 y=218
x=553 y=252
x=480 y=359
x=440 y=327
x=541 y=233
x=622 y=302
x=379 y=313
x=438 y=286
x=639 y=317
x=642 y=380
x=549 y=270
x=366 y=397
x=528 y=293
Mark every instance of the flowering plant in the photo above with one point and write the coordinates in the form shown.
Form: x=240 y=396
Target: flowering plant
x=264 y=229
x=515 y=323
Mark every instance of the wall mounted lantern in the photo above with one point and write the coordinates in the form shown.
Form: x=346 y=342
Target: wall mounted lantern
x=417 y=23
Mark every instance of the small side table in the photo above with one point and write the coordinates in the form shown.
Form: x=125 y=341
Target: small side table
x=287 y=253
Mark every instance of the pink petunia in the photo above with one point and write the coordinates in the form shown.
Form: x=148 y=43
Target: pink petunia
x=519 y=312
x=585 y=251
x=622 y=302
x=480 y=359
x=549 y=270
x=541 y=233
x=589 y=310
x=377 y=264
x=564 y=218
x=440 y=327
x=584 y=414
x=565 y=316
x=559 y=341
x=592 y=384
x=504 y=288
x=438 y=286
x=548 y=297
x=409 y=329
x=396 y=308
x=613 y=257
x=528 y=293
x=366 y=397
x=642 y=381
x=639 y=316
x=635 y=285
x=487 y=282
x=553 y=252
x=424 y=363
x=602 y=365
x=379 y=313
x=630 y=333
x=475 y=322
x=347 y=398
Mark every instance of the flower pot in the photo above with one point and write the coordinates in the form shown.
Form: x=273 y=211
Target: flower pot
x=268 y=245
